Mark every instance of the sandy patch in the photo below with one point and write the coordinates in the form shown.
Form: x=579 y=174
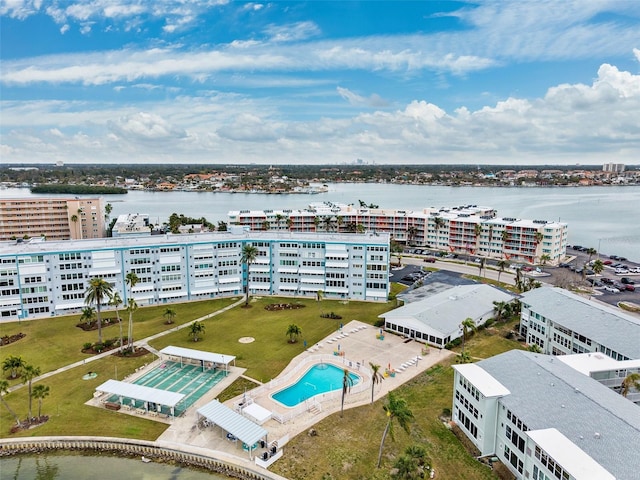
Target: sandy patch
x=246 y=339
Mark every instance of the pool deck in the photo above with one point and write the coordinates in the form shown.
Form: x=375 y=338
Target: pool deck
x=358 y=341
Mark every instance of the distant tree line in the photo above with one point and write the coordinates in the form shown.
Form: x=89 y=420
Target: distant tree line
x=78 y=189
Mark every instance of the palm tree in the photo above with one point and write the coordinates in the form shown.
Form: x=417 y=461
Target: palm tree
x=467 y=325
x=116 y=301
x=74 y=219
x=80 y=219
x=544 y=258
x=477 y=230
x=249 y=254
x=339 y=221
x=97 y=292
x=107 y=211
x=397 y=409
x=88 y=315
x=131 y=280
x=501 y=264
x=481 y=264
x=28 y=374
x=412 y=231
x=631 y=380
x=316 y=222
x=499 y=310
x=597 y=267
x=279 y=218
x=538 y=236
x=13 y=364
x=196 y=329
x=4 y=389
x=289 y=223
x=410 y=465
x=293 y=331
x=170 y=315
x=376 y=377
x=439 y=223
x=40 y=392
x=347 y=383
x=266 y=225
x=591 y=252
x=535 y=348
x=463 y=357
x=518 y=280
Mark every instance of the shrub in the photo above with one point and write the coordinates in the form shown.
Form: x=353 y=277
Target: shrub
x=489 y=322
x=98 y=347
x=87 y=345
x=453 y=343
x=379 y=323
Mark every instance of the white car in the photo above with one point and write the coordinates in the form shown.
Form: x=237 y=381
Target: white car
x=621 y=271
x=611 y=289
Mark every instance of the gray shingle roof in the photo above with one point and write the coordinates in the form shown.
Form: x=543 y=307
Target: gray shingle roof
x=546 y=393
x=445 y=310
x=601 y=323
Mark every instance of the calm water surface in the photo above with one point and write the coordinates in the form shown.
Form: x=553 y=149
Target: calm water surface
x=79 y=467
x=606 y=215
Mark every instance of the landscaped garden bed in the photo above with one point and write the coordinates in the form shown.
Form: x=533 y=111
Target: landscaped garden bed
x=273 y=307
x=7 y=339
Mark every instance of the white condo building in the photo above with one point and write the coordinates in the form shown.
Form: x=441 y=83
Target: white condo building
x=469 y=229
x=40 y=279
x=544 y=420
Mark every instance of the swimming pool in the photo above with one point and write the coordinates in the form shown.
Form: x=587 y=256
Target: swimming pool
x=320 y=378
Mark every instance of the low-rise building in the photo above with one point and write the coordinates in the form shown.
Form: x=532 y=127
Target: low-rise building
x=50 y=278
x=437 y=320
x=544 y=420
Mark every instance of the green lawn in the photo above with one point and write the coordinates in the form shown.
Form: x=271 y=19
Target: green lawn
x=345 y=447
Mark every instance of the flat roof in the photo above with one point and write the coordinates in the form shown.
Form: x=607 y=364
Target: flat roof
x=572 y=458
x=198 y=355
x=140 y=392
x=232 y=422
x=488 y=386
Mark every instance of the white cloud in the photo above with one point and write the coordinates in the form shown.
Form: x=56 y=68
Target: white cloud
x=570 y=123
x=373 y=101
x=291 y=33
x=64 y=29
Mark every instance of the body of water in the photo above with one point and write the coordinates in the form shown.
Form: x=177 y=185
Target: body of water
x=81 y=467
x=605 y=216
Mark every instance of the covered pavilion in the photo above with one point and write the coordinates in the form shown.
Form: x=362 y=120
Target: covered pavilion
x=213 y=360
x=147 y=395
x=236 y=426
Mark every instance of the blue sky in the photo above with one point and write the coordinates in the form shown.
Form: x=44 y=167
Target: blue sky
x=291 y=82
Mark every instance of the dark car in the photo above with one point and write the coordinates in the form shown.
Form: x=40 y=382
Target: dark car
x=606 y=281
x=622 y=259
x=429 y=260
x=627 y=281
x=607 y=262
x=614 y=257
x=577 y=247
x=564 y=265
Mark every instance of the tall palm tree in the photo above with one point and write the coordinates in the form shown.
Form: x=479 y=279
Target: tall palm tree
x=376 y=377
x=266 y=225
x=501 y=264
x=398 y=410
x=4 y=389
x=293 y=331
x=347 y=383
x=439 y=223
x=499 y=310
x=631 y=380
x=40 y=392
x=538 y=237
x=279 y=218
x=412 y=231
x=316 y=222
x=170 y=315
x=544 y=258
x=28 y=374
x=481 y=264
x=597 y=267
x=115 y=301
x=477 y=230
x=467 y=325
x=97 y=292
x=289 y=223
x=249 y=254
x=339 y=222
x=131 y=279
x=591 y=252
x=74 y=219
x=80 y=220
x=13 y=364
x=107 y=211
x=195 y=330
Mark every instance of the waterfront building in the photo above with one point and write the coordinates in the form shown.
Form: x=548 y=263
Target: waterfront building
x=437 y=320
x=53 y=218
x=544 y=420
x=50 y=278
x=613 y=167
x=562 y=323
x=467 y=230
x=131 y=225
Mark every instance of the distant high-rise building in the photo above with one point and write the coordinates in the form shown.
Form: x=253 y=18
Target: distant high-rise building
x=613 y=167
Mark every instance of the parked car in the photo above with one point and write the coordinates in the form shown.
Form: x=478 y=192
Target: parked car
x=627 y=281
x=429 y=260
x=607 y=262
x=577 y=247
x=564 y=265
x=621 y=271
x=630 y=288
x=634 y=270
x=614 y=257
x=622 y=259
x=606 y=281
x=611 y=289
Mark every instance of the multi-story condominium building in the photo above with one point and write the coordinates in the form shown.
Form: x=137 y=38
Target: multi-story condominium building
x=561 y=323
x=131 y=225
x=469 y=230
x=546 y=421
x=53 y=218
x=613 y=167
x=50 y=278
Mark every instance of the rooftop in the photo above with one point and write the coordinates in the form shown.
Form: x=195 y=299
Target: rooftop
x=601 y=323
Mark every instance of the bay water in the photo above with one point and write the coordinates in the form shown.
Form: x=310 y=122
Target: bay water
x=605 y=217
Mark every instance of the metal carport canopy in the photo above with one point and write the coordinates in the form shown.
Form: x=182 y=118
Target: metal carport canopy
x=198 y=355
x=232 y=422
x=139 y=392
